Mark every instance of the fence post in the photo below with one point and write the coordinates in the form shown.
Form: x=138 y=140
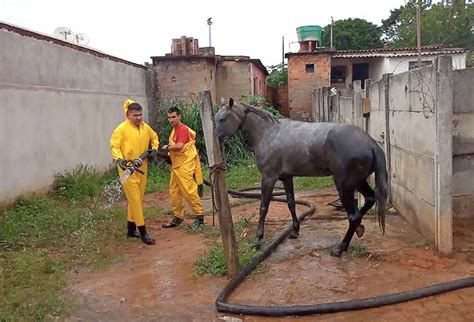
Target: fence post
x=214 y=156
x=444 y=154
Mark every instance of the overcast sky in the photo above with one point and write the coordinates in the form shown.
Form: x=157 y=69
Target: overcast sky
x=137 y=29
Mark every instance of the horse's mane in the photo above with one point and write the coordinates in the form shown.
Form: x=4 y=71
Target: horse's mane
x=266 y=116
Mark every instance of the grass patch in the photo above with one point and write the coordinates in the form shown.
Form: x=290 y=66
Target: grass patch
x=419 y=243
x=309 y=183
x=42 y=237
x=212 y=262
x=158 y=176
x=30 y=282
x=358 y=250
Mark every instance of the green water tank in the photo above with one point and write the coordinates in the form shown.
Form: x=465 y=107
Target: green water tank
x=309 y=33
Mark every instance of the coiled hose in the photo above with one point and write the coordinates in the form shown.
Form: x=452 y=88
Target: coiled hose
x=272 y=310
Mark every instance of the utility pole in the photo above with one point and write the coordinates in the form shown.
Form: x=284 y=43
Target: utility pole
x=418 y=35
x=330 y=43
x=209 y=23
x=282 y=51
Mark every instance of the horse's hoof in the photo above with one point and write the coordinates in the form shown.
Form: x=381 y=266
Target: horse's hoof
x=360 y=231
x=294 y=234
x=336 y=251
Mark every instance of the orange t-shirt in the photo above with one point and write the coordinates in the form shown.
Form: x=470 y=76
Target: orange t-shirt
x=181 y=134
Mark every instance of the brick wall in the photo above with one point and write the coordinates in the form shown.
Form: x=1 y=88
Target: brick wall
x=233 y=79
x=259 y=81
x=184 y=78
x=301 y=82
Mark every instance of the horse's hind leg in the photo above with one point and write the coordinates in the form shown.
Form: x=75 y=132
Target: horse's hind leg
x=267 y=189
x=347 y=199
x=290 y=199
x=369 y=197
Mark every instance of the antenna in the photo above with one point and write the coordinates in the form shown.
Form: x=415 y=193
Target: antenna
x=81 y=39
x=64 y=33
x=67 y=34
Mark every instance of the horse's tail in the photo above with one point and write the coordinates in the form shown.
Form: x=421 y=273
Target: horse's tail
x=381 y=186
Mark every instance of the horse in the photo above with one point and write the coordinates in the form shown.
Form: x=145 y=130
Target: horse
x=286 y=148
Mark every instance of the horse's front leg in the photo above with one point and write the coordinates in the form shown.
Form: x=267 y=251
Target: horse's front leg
x=290 y=199
x=268 y=184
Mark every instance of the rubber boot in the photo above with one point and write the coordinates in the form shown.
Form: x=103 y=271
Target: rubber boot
x=132 y=230
x=198 y=222
x=173 y=223
x=144 y=236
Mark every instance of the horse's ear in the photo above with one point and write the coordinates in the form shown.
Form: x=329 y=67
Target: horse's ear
x=222 y=100
x=231 y=102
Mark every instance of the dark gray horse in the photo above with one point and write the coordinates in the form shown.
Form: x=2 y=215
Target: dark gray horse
x=285 y=148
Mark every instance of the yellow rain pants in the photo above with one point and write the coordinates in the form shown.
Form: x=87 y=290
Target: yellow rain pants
x=129 y=142
x=183 y=187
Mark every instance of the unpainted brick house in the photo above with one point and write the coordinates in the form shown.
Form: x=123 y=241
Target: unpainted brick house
x=189 y=69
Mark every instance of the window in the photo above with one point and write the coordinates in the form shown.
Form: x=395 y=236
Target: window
x=413 y=64
x=310 y=68
x=338 y=74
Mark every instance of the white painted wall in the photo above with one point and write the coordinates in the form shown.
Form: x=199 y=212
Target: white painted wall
x=58 y=107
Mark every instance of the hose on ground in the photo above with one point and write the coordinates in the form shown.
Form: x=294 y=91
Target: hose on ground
x=321 y=308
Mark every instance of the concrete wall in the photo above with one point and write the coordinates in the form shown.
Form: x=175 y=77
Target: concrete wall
x=463 y=143
x=302 y=83
x=184 y=77
x=411 y=117
x=59 y=105
x=233 y=79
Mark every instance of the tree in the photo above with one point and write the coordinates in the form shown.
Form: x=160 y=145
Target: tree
x=278 y=75
x=447 y=25
x=353 y=34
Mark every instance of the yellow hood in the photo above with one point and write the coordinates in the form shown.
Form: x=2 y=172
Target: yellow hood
x=126 y=104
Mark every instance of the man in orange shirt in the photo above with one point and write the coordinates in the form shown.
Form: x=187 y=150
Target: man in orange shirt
x=184 y=157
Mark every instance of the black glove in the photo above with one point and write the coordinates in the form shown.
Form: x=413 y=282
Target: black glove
x=122 y=164
x=137 y=162
x=152 y=153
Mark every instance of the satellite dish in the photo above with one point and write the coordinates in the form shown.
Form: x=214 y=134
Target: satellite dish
x=81 y=39
x=64 y=33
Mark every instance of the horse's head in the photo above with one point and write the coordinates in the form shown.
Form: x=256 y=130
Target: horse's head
x=229 y=119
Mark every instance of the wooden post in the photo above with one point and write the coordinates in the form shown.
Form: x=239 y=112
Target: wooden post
x=214 y=156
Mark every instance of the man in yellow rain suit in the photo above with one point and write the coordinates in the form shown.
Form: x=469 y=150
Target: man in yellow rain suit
x=185 y=166
x=130 y=140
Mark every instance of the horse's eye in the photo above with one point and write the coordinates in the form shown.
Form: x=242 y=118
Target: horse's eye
x=222 y=120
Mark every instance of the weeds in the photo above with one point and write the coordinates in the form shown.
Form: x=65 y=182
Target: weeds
x=358 y=250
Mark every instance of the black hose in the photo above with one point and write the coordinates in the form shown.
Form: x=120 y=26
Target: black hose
x=350 y=305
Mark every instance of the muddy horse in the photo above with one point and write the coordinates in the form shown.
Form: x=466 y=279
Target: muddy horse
x=286 y=148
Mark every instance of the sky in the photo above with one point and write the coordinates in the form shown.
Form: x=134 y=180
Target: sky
x=137 y=29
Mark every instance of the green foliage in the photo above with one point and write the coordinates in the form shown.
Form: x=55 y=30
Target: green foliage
x=278 y=76
x=158 y=176
x=448 y=25
x=212 y=262
x=30 y=282
x=309 y=183
x=81 y=183
x=41 y=237
x=235 y=148
x=353 y=34
x=358 y=250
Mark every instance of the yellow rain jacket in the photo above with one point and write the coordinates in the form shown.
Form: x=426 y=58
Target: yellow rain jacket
x=185 y=165
x=129 y=142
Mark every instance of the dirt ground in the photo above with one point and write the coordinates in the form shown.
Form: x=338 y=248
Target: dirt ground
x=158 y=283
